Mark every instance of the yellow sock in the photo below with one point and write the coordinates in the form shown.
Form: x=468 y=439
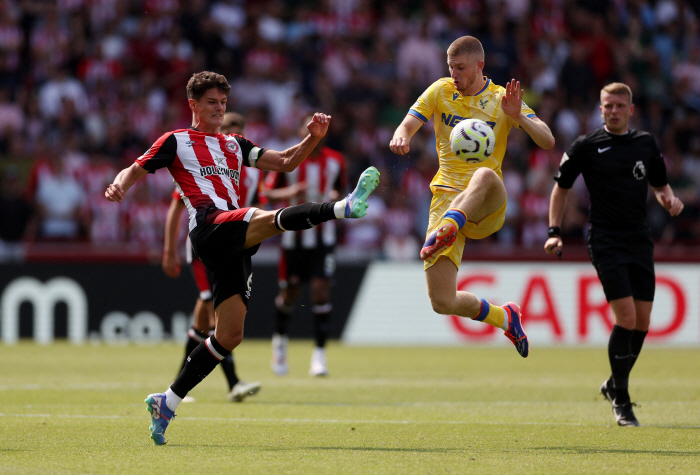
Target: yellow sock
x=492 y=314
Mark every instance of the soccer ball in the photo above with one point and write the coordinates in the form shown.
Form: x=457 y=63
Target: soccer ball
x=472 y=140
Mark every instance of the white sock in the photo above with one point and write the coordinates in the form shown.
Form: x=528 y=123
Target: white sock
x=172 y=400
x=505 y=321
x=339 y=209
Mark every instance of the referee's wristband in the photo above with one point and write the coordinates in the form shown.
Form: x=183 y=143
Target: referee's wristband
x=554 y=231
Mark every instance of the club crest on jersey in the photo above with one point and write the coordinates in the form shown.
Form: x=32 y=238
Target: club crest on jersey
x=232 y=146
x=483 y=103
x=639 y=170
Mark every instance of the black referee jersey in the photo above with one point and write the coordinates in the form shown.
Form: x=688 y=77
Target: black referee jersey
x=618 y=170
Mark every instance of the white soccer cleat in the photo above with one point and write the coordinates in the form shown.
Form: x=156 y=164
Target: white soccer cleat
x=242 y=390
x=279 y=354
x=318 y=363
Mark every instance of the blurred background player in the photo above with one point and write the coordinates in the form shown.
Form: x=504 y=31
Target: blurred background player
x=469 y=200
x=618 y=164
x=204 y=320
x=307 y=256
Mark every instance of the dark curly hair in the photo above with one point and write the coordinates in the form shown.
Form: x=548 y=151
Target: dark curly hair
x=202 y=81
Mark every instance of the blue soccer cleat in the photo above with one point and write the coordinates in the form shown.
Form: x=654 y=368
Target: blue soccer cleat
x=356 y=202
x=515 y=332
x=160 y=417
x=439 y=240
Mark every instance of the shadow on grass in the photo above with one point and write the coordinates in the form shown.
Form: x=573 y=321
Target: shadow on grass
x=593 y=450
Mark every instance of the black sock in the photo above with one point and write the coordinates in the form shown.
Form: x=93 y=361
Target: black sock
x=282 y=316
x=619 y=353
x=304 y=216
x=229 y=368
x=636 y=345
x=194 y=338
x=322 y=324
x=199 y=364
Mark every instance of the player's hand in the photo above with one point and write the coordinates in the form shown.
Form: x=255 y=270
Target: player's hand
x=553 y=245
x=512 y=101
x=673 y=205
x=114 y=192
x=399 y=145
x=319 y=124
x=171 y=264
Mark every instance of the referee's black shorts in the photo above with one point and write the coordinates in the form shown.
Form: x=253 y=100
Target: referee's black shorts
x=218 y=240
x=624 y=261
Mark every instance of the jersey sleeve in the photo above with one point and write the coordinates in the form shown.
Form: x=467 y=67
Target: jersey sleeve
x=161 y=154
x=570 y=165
x=425 y=105
x=657 y=166
x=529 y=113
x=251 y=152
x=175 y=195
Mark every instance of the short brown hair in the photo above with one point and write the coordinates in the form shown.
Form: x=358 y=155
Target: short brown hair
x=466 y=45
x=617 y=88
x=202 y=81
x=233 y=119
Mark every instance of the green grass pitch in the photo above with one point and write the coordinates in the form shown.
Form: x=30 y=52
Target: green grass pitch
x=434 y=410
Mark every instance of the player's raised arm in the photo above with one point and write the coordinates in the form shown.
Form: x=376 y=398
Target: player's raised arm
x=288 y=160
x=402 y=136
x=124 y=180
x=511 y=103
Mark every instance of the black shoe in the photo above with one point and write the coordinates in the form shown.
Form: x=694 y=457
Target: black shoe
x=624 y=414
x=607 y=390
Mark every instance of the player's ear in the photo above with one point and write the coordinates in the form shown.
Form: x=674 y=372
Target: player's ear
x=192 y=103
x=631 y=109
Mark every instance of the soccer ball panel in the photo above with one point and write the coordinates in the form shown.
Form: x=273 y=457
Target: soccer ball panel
x=472 y=140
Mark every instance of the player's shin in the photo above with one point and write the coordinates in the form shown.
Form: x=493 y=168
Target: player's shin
x=200 y=363
x=304 y=216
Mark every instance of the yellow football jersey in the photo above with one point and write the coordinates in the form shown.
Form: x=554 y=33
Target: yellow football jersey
x=448 y=107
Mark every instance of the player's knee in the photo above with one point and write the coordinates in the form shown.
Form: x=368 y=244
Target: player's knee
x=441 y=304
x=486 y=176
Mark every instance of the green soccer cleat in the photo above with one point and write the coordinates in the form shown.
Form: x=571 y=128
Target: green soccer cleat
x=356 y=202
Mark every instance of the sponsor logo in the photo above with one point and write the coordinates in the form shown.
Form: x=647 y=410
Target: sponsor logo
x=455 y=95
x=220 y=160
x=564 y=158
x=190 y=143
x=232 y=146
x=211 y=170
x=250 y=285
x=639 y=171
x=601 y=150
x=43 y=297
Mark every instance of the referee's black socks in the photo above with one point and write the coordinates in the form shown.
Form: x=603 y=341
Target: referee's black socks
x=620 y=355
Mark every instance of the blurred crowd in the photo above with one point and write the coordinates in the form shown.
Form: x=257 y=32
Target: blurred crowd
x=86 y=86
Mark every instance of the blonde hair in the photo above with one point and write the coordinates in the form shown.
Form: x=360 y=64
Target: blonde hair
x=466 y=45
x=617 y=88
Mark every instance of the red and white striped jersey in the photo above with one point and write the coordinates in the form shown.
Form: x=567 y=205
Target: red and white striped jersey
x=206 y=167
x=322 y=174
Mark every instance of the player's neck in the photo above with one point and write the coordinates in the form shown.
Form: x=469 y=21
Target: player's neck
x=204 y=128
x=475 y=88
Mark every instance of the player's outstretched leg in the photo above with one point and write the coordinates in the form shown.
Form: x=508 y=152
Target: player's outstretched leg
x=242 y=390
x=161 y=416
x=438 y=240
x=356 y=202
x=515 y=331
